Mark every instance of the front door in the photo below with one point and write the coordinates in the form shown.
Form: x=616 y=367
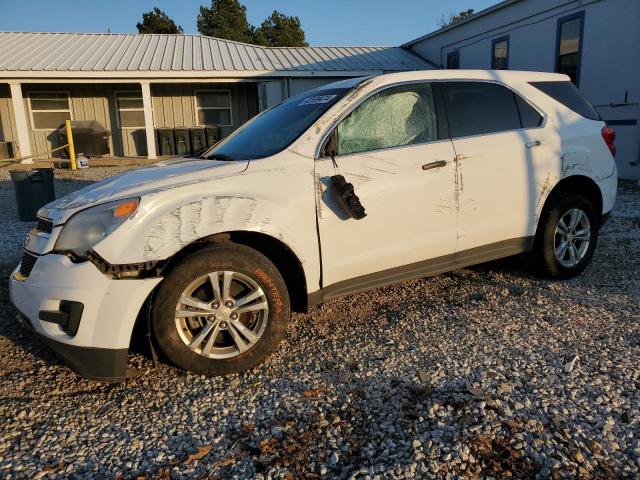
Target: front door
x=389 y=148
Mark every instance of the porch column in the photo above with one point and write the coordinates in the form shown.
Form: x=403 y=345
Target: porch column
x=22 y=125
x=148 y=120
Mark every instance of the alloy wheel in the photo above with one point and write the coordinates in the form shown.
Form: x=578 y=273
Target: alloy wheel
x=222 y=314
x=572 y=237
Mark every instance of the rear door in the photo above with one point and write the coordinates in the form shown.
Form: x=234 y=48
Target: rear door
x=500 y=147
x=391 y=149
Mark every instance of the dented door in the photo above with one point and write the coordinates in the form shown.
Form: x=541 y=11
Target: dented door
x=389 y=149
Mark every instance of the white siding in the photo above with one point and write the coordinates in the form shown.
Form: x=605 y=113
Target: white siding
x=610 y=70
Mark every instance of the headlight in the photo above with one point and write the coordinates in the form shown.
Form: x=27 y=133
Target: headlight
x=87 y=227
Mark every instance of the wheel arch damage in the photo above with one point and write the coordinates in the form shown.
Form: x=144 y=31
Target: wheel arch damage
x=282 y=256
x=579 y=184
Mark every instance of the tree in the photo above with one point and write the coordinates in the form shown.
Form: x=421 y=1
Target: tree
x=445 y=22
x=225 y=19
x=156 y=21
x=280 y=30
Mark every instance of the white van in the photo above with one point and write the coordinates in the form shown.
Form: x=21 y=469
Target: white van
x=354 y=185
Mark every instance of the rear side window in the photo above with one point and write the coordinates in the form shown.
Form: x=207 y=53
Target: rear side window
x=476 y=108
x=529 y=117
x=567 y=94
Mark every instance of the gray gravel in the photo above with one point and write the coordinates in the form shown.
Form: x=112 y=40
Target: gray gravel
x=488 y=371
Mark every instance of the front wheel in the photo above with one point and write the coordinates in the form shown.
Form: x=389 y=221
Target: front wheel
x=221 y=310
x=567 y=236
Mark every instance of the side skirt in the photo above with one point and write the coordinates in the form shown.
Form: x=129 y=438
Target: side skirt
x=422 y=269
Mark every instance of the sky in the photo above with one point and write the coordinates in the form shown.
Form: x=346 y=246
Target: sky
x=325 y=22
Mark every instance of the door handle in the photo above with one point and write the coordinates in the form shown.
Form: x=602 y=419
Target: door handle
x=534 y=143
x=437 y=164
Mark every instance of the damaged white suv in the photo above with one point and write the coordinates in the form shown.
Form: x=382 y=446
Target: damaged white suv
x=348 y=187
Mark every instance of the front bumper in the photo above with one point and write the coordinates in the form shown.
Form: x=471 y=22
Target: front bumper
x=98 y=350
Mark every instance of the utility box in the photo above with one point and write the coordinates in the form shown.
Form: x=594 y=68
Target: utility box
x=183 y=145
x=89 y=137
x=198 y=140
x=213 y=135
x=166 y=142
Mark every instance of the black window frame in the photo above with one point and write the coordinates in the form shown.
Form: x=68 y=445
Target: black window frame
x=454 y=54
x=578 y=15
x=504 y=38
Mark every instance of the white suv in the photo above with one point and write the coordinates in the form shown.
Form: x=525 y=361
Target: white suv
x=354 y=185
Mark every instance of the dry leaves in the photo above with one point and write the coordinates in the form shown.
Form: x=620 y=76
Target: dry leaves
x=200 y=454
x=315 y=392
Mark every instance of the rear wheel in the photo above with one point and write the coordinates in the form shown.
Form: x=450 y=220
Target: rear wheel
x=222 y=310
x=567 y=236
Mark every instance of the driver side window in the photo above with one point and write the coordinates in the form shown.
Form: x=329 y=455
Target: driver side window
x=395 y=117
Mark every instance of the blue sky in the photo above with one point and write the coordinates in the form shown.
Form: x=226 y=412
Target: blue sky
x=326 y=22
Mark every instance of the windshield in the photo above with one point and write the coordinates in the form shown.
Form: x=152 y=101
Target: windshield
x=275 y=129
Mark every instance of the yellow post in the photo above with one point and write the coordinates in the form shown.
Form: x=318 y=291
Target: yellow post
x=72 y=150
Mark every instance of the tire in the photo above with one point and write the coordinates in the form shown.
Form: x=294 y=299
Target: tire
x=262 y=328
x=550 y=262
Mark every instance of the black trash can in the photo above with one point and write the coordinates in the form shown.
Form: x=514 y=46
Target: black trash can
x=213 y=135
x=198 y=140
x=183 y=146
x=34 y=189
x=166 y=142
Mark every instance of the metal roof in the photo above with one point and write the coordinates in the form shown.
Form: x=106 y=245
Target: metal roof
x=93 y=53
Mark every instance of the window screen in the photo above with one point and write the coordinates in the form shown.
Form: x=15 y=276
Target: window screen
x=49 y=110
x=568 y=54
x=500 y=54
x=395 y=117
x=213 y=108
x=476 y=108
x=529 y=116
x=130 y=109
x=567 y=94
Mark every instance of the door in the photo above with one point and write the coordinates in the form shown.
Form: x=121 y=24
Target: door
x=389 y=148
x=500 y=145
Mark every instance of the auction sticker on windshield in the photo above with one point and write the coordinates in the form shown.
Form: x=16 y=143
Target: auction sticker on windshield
x=317 y=99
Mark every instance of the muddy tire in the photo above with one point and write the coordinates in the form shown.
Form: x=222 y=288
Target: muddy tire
x=222 y=310
x=566 y=238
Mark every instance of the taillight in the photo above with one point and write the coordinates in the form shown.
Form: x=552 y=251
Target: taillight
x=609 y=136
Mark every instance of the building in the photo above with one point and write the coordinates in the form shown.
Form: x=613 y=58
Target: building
x=595 y=42
x=133 y=84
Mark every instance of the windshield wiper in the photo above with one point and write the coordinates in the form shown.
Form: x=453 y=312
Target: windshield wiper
x=220 y=156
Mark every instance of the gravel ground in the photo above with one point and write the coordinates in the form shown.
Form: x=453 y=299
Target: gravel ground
x=484 y=372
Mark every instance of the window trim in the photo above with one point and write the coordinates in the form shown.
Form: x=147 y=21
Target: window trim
x=504 y=38
x=567 y=18
x=197 y=108
x=115 y=100
x=33 y=124
x=454 y=53
x=439 y=101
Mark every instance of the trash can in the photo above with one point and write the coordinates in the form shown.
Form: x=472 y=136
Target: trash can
x=166 y=142
x=213 y=135
x=89 y=137
x=198 y=140
x=33 y=189
x=181 y=135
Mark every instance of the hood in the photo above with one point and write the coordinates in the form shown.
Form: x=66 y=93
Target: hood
x=136 y=183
